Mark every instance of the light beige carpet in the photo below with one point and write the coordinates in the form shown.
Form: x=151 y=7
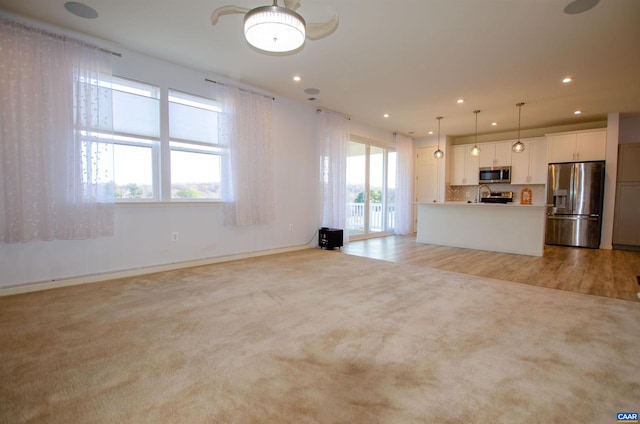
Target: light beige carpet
x=316 y=337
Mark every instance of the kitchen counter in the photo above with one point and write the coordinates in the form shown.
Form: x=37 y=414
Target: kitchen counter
x=509 y=228
x=463 y=203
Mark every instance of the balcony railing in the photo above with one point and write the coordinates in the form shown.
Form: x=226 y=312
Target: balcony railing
x=377 y=216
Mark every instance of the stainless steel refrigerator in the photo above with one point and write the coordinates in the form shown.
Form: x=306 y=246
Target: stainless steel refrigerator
x=574 y=199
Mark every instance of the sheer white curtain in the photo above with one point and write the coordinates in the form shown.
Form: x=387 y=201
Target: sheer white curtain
x=404 y=185
x=245 y=126
x=333 y=139
x=55 y=170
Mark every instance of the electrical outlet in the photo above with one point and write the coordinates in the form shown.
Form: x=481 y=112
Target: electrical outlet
x=175 y=236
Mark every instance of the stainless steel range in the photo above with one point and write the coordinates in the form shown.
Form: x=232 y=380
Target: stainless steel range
x=497 y=197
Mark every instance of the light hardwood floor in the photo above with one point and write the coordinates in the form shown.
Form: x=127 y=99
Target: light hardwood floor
x=609 y=273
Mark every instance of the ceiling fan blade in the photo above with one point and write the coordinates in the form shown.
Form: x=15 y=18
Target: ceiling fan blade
x=226 y=10
x=321 y=30
x=292 y=4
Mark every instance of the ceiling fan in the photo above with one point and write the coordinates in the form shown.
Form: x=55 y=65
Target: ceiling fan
x=276 y=28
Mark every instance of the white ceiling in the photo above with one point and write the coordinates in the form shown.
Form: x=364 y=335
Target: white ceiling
x=409 y=58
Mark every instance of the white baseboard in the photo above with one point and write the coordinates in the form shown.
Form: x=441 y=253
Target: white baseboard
x=94 y=278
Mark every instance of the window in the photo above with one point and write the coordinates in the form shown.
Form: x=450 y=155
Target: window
x=196 y=156
x=184 y=163
x=136 y=127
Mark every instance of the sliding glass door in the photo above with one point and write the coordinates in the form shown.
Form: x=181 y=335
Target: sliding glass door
x=370 y=190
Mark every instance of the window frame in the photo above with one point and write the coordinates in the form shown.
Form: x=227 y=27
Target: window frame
x=387 y=149
x=200 y=147
x=136 y=140
x=164 y=145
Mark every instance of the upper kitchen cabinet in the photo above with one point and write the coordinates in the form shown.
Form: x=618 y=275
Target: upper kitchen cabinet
x=577 y=146
x=530 y=166
x=464 y=166
x=495 y=154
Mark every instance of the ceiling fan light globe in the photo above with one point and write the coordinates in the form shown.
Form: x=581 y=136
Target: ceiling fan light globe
x=274 y=29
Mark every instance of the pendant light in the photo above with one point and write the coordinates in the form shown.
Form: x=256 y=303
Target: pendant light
x=475 y=150
x=274 y=28
x=438 y=154
x=518 y=146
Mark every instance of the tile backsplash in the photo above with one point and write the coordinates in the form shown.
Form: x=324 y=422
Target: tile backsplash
x=470 y=193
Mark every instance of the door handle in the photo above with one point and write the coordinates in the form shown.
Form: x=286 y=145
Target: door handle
x=571 y=217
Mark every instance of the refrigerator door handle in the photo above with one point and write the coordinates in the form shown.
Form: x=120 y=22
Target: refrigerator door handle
x=573 y=217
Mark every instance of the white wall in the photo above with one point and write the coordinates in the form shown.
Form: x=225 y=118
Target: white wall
x=528 y=132
x=382 y=137
x=142 y=239
x=143 y=232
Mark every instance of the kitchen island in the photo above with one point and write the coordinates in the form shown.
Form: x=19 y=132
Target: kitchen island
x=509 y=228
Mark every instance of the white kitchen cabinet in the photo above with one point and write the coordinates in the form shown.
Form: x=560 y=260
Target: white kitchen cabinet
x=530 y=166
x=577 y=146
x=539 y=165
x=426 y=174
x=464 y=166
x=562 y=147
x=495 y=154
x=591 y=145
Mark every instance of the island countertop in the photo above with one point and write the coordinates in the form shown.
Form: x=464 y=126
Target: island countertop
x=509 y=228
x=464 y=203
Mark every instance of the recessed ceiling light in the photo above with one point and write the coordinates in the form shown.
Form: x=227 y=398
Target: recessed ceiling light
x=297 y=78
x=312 y=91
x=567 y=80
x=386 y=115
x=577 y=112
x=411 y=133
x=430 y=132
x=493 y=124
x=313 y=99
x=81 y=10
x=459 y=101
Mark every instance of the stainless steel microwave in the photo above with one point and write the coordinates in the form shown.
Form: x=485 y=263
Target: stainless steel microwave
x=495 y=174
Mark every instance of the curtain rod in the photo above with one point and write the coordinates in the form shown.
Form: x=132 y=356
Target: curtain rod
x=239 y=88
x=110 y=52
x=347 y=117
x=58 y=36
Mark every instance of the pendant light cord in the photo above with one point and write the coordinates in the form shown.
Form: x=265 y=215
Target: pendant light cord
x=476 y=137
x=477 y=111
x=519 y=116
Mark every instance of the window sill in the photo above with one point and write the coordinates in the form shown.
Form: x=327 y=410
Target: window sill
x=175 y=203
